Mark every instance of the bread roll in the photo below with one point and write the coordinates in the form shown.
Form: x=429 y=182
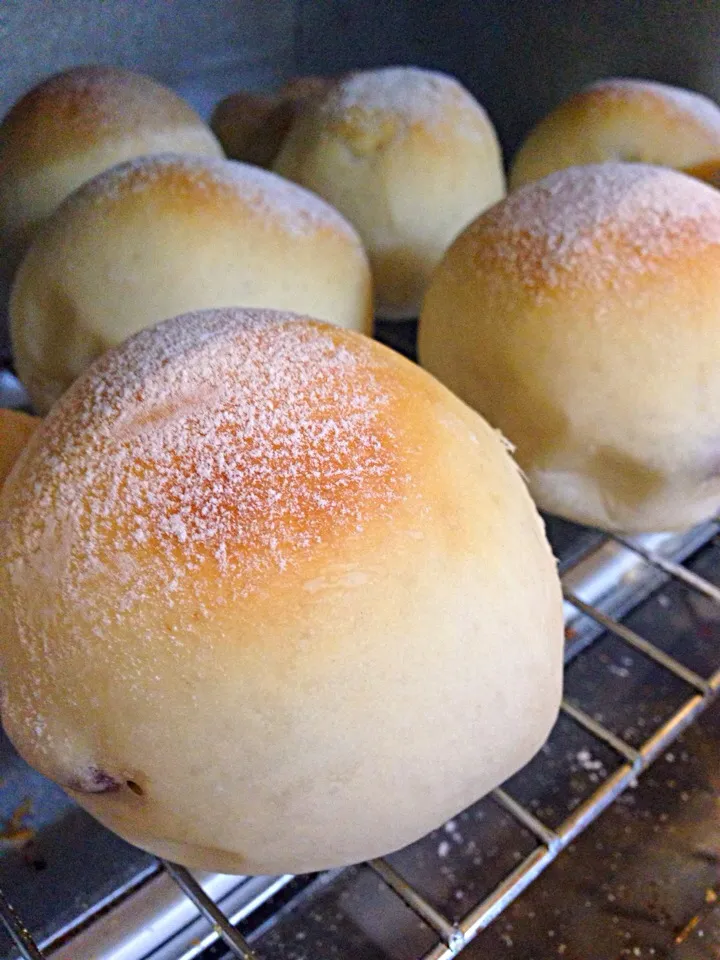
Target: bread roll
x=252 y=126
x=581 y=317
x=154 y=237
x=70 y=128
x=16 y=428
x=622 y=120
x=273 y=599
x=410 y=157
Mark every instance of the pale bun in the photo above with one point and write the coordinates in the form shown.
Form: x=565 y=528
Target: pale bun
x=158 y=236
x=252 y=126
x=580 y=316
x=410 y=157
x=73 y=126
x=266 y=585
x=622 y=120
x=16 y=428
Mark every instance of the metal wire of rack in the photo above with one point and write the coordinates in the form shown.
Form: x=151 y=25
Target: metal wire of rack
x=452 y=937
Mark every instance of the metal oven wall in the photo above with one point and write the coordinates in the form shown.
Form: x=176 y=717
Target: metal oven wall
x=520 y=57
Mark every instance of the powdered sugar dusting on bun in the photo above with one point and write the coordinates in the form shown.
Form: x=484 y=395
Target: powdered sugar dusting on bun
x=233 y=441
x=687 y=103
x=596 y=225
x=174 y=178
x=407 y=94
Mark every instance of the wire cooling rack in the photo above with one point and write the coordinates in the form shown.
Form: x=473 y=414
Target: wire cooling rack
x=586 y=620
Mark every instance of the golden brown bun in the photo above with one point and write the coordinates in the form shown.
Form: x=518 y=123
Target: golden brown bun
x=709 y=172
x=410 y=157
x=580 y=316
x=155 y=237
x=75 y=125
x=266 y=585
x=622 y=120
x=252 y=126
x=16 y=429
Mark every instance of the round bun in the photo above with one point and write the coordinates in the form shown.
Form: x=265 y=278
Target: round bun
x=410 y=158
x=580 y=316
x=622 y=120
x=75 y=125
x=162 y=235
x=252 y=126
x=16 y=428
x=266 y=585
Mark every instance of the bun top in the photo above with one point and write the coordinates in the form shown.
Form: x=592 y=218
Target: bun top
x=592 y=227
x=684 y=106
x=395 y=101
x=220 y=447
x=92 y=106
x=220 y=188
x=619 y=120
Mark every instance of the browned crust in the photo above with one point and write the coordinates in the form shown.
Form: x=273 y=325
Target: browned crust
x=84 y=106
x=252 y=126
